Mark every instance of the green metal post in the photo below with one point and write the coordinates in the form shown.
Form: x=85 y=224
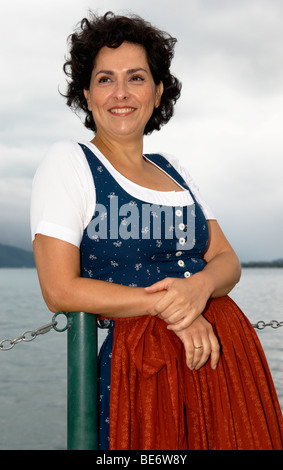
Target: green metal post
x=82 y=381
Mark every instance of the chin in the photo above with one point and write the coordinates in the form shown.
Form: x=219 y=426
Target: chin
x=123 y=132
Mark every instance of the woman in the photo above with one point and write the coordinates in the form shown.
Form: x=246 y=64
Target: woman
x=127 y=236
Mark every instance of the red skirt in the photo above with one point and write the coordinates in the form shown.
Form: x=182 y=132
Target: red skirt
x=158 y=403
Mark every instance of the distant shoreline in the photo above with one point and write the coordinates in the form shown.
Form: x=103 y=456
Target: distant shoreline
x=263 y=264
x=12 y=257
x=244 y=265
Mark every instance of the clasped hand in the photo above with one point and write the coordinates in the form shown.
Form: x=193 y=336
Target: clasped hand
x=181 y=307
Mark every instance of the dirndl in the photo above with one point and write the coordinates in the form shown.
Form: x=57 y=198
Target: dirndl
x=157 y=403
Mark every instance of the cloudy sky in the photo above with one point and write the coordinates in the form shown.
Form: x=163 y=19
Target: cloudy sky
x=227 y=128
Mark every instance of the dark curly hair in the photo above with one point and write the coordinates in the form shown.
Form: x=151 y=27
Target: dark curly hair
x=111 y=30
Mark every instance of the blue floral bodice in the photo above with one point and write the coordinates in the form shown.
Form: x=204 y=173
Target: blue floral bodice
x=136 y=243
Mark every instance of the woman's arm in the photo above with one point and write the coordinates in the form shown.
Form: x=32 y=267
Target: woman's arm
x=63 y=288
x=186 y=299
x=223 y=268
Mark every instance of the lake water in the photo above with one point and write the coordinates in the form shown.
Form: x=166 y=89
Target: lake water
x=34 y=375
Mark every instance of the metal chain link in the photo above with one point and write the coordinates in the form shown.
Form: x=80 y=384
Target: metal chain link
x=260 y=325
x=30 y=335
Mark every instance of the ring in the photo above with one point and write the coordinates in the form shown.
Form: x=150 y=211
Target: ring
x=198 y=347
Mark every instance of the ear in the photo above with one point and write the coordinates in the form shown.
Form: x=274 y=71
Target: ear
x=87 y=97
x=158 y=94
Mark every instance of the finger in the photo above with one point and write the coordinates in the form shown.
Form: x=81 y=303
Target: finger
x=172 y=314
x=215 y=351
x=193 y=355
x=166 y=307
x=202 y=354
x=180 y=324
x=158 y=286
x=189 y=350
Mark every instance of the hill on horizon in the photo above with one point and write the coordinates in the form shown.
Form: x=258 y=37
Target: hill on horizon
x=12 y=257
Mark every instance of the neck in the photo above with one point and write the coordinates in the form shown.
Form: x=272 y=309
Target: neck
x=128 y=152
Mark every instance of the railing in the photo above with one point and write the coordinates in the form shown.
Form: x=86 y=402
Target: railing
x=82 y=414
x=82 y=381
x=82 y=407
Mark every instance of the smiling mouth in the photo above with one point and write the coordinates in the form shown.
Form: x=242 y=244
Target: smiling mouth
x=122 y=111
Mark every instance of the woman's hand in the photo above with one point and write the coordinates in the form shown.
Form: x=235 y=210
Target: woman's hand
x=180 y=307
x=183 y=300
x=200 y=343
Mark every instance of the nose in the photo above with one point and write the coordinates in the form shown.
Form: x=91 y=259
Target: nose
x=121 y=91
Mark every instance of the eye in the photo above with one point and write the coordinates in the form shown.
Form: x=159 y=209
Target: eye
x=137 y=78
x=104 y=79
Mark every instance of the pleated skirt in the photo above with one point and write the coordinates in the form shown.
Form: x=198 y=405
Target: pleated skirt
x=158 y=403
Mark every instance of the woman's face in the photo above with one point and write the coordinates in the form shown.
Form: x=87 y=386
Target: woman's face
x=122 y=93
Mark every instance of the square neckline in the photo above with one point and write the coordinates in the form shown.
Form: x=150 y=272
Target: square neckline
x=112 y=170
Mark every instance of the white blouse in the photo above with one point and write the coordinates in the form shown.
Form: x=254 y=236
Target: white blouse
x=63 y=192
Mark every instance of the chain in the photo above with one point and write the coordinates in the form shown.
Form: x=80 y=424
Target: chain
x=30 y=335
x=260 y=325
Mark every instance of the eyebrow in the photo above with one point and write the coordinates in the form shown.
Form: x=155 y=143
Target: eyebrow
x=129 y=72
